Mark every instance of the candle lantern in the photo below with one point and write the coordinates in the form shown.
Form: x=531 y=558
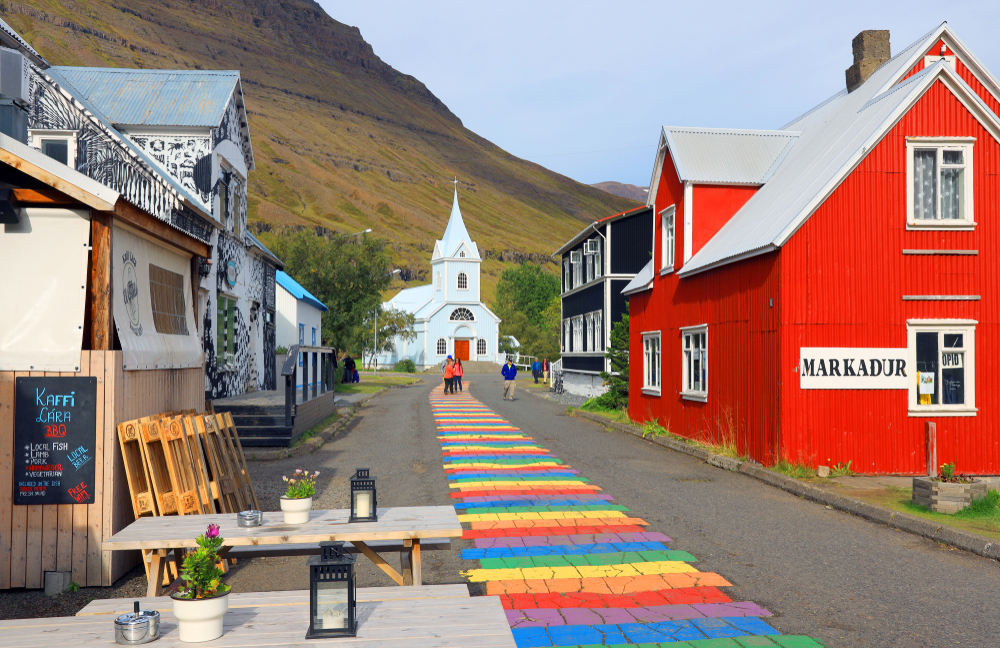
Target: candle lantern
x=332 y=596
x=363 y=503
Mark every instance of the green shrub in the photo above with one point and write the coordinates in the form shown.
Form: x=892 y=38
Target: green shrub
x=281 y=350
x=405 y=366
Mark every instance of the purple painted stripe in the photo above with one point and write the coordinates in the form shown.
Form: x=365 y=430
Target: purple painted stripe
x=546 y=617
x=507 y=498
x=585 y=538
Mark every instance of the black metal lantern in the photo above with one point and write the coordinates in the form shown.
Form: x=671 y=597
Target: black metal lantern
x=332 y=595
x=363 y=501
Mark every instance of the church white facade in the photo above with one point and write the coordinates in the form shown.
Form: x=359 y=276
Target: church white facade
x=450 y=319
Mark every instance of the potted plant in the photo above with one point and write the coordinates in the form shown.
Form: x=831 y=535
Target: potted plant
x=949 y=493
x=202 y=600
x=298 y=497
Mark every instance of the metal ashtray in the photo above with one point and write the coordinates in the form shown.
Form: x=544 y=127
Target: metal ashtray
x=138 y=627
x=250 y=518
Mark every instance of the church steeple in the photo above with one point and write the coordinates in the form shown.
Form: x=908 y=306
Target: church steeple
x=455 y=235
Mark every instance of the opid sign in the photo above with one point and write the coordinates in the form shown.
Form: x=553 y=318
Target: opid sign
x=852 y=368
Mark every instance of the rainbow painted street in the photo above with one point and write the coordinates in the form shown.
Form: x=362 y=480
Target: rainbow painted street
x=570 y=564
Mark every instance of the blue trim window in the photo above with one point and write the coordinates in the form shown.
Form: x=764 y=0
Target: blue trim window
x=314 y=336
x=302 y=339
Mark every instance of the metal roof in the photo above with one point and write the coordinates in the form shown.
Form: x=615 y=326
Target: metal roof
x=192 y=201
x=834 y=138
x=194 y=98
x=455 y=235
x=726 y=155
x=10 y=38
x=297 y=291
x=585 y=232
x=263 y=248
x=640 y=282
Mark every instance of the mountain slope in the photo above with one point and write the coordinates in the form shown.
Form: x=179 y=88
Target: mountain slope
x=630 y=191
x=341 y=139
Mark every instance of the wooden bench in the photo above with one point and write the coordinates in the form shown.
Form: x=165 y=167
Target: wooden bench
x=162 y=604
x=388 y=619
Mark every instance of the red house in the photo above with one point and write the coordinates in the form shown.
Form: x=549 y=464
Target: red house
x=821 y=292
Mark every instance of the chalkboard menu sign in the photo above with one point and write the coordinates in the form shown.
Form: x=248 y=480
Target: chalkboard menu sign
x=55 y=430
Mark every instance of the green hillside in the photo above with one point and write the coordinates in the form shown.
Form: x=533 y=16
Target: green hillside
x=342 y=140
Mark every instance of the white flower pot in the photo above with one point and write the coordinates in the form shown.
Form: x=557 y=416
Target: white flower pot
x=296 y=510
x=200 y=619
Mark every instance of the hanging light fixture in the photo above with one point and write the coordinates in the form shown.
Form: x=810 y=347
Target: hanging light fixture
x=332 y=593
x=363 y=500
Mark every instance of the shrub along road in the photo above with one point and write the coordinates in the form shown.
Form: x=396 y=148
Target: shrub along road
x=823 y=573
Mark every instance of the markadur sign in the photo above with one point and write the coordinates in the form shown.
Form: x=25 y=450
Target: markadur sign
x=851 y=368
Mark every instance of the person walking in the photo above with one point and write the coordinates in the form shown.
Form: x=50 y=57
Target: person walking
x=449 y=376
x=536 y=370
x=349 y=366
x=444 y=365
x=545 y=371
x=509 y=373
x=458 y=371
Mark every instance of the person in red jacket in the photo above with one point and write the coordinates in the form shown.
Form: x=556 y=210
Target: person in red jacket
x=449 y=377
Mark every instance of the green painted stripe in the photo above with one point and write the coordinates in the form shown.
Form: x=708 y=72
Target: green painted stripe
x=620 y=558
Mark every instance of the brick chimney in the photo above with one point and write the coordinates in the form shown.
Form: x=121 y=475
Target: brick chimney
x=871 y=50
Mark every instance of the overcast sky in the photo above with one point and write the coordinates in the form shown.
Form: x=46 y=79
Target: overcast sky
x=584 y=87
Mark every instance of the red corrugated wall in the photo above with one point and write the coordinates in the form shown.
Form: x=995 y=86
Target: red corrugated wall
x=844 y=276
x=714 y=205
x=742 y=336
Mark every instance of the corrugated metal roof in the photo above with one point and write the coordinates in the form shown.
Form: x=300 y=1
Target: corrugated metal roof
x=162 y=173
x=263 y=248
x=641 y=281
x=834 y=138
x=725 y=155
x=155 y=97
x=7 y=29
x=297 y=291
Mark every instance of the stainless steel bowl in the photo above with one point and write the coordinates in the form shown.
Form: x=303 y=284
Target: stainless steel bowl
x=250 y=518
x=139 y=627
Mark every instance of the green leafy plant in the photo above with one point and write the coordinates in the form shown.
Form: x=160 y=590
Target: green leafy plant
x=282 y=350
x=948 y=475
x=73 y=587
x=200 y=571
x=616 y=397
x=654 y=429
x=842 y=470
x=301 y=484
x=405 y=366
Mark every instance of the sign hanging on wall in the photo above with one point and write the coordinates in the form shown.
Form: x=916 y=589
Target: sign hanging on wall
x=852 y=368
x=55 y=433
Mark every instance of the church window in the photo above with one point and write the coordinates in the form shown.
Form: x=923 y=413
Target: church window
x=481 y=347
x=462 y=315
x=442 y=346
x=461 y=254
x=463 y=281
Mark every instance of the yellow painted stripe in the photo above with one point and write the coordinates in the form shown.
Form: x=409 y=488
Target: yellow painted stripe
x=539 y=515
x=580 y=571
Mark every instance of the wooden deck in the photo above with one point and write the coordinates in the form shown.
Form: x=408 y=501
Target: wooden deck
x=395 y=618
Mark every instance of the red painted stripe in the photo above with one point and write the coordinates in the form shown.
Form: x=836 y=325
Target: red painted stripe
x=562 y=600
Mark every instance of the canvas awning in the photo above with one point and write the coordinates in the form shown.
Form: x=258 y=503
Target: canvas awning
x=152 y=303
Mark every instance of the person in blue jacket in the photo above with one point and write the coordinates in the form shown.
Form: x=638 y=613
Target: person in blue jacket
x=509 y=372
x=536 y=370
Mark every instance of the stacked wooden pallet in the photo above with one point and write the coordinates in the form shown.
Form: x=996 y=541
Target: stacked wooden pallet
x=182 y=463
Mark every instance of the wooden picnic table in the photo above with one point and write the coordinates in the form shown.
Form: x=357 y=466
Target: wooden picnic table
x=419 y=617
x=406 y=525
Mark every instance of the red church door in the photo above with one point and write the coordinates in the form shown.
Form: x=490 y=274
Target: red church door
x=462 y=350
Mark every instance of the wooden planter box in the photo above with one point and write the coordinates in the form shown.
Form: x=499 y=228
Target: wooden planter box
x=944 y=497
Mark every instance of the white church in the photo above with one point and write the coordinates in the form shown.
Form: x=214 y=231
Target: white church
x=450 y=319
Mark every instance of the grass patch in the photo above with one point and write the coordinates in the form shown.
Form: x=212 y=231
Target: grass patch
x=981 y=517
x=370 y=383
x=793 y=470
x=316 y=429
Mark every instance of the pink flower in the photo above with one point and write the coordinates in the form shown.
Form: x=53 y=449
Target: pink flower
x=298 y=471
x=213 y=531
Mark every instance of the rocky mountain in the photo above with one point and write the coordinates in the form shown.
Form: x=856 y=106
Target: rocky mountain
x=342 y=140
x=632 y=192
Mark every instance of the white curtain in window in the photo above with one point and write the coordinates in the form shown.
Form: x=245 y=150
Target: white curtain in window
x=951 y=193
x=924 y=183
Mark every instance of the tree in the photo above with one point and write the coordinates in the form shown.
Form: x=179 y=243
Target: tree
x=392 y=324
x=526 y=288
x=548 y=333
x=617 y=379
x=347 y=273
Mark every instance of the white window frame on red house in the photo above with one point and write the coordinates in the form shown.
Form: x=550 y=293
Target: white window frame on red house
x=941 y=145
x=965 y=328
x=652 y=363
x=689 y=346
x=668 y=243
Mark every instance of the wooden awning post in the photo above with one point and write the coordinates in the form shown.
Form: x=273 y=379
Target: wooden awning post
x=932 y=464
